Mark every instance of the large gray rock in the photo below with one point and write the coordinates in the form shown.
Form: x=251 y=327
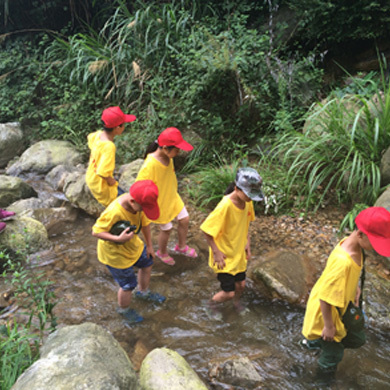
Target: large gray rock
x=13 y=189
x=11 y=142
x=80 y=357
x=384 y=200
x=385 y=168
x=128 y=173
x=26 y=234
x=44 y=156
x=239 y=371
x=78 y=193
x=57 y=176
x=283 y=275
x=164 y=369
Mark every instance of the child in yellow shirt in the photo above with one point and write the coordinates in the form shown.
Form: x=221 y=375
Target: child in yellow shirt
x=120 y=253
x=323 y=325
x=158 y=167
x=99 y=175
x=226 y=230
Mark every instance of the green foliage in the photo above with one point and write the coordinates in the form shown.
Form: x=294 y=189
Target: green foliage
x=348 y=223
x=340 y=150
x=326 y=23
x=19 y=343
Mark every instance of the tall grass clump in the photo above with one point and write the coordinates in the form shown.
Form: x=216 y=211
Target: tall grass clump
x=34 y=298
x=339 y=151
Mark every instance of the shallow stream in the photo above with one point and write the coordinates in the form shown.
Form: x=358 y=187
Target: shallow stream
x=269 y=333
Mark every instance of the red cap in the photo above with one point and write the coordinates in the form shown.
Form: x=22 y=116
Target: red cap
x=114 y=116
x=374 y=222
x=145 y=193
x=172 y=137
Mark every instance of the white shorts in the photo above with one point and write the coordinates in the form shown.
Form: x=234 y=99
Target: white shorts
x=168 y=226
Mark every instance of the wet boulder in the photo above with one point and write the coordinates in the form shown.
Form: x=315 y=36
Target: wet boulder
x=282 y=275
x=385 y=168
x=56 y=177
x=82 y=356
x=128 y=173
x=78 y=193
x=384 y=200
x=11 y=142
x=238 y=371
x=55 y=219
x=24 y=233
x=164 y=369
x=13 y=189
x=45 y=155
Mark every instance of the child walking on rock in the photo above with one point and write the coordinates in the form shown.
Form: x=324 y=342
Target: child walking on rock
x=227 y=234
x=120 y=253
x=100 y=173
x=158 y=167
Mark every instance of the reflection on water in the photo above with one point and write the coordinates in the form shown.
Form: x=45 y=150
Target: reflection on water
x=269 y=333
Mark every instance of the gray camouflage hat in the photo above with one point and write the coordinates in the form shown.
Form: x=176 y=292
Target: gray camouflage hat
x=249 y=181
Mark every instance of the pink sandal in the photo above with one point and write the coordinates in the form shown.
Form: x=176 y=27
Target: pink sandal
x=187 y=251
x=165 y=258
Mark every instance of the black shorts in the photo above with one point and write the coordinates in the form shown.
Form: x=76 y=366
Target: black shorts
x=228 y=280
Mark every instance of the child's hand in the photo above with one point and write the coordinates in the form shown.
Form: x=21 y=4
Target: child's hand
x=248 y=252
x=110 y=181
x=125 y=236
x=328 y=333
x=219 y=259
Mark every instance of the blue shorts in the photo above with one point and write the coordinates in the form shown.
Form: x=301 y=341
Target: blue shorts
x=126 y=277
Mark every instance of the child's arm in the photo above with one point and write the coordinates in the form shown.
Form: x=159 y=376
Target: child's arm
x=219 y=257
x=248 y=248
x=110 y=180
x=329 y=330
x=148 y=240
x=122 y=238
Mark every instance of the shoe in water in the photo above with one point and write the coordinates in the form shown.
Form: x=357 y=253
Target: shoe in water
x=241 y=309
x=150 y=296
x=310 y=344
x=130 y=316
x=213 y=310
x=6 y=215
x=2 y=227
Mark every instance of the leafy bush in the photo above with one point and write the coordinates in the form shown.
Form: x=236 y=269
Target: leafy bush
x=340 y=150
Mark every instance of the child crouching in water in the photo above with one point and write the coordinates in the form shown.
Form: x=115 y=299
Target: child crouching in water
x=226 y=230
x=121 y=252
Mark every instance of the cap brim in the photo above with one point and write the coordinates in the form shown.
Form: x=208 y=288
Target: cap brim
x=255 y=196
x=381 y=245
x=151 y=212
x=184 y=145
x=130 y=118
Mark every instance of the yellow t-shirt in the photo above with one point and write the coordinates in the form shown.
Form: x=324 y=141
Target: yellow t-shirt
x=337 y=286
x=101 y=164
x=119 y=255
x=229 y=227
x=164 y=177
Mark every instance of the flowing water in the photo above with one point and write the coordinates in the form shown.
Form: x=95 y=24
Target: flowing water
x=269 y=333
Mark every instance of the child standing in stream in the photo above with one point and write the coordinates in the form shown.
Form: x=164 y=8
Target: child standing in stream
x=158 y=167
x=120 y=253
x=100 y=173
x=227 y=234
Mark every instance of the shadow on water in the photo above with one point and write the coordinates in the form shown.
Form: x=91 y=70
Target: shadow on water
x=268 y=333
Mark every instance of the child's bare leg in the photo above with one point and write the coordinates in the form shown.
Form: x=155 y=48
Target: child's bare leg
x=144 y=278
x=182 y=231
x=239 y=289
x=124 y=298
x=223 y=296
x=163 y=238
